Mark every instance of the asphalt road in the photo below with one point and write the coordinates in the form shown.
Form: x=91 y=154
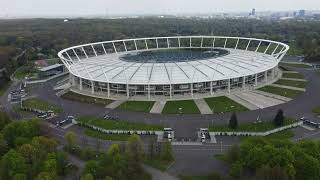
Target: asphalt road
x=190 y=160
x=186 y=126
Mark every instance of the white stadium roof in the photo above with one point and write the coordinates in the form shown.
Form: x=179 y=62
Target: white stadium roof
x=110 y=68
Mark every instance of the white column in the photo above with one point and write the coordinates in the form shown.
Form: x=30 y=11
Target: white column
x=108 y=86
x=229 y=85
x=128 y=95
x=211 y=88
x=191 y=88
x=157 y=43
x=256 y=80
x=149 y=91
x=248 y=45
x=201 y=41
x=80 y=83
x=92 y=87
x=237 y=44
x=114 y=47
x=266 y=76
x=135 y=44
x=244 y=82
x=145 y=41
x=125 y=46
x=225 y=43
x=179 y=42
x=170 y=91
x=258 y=46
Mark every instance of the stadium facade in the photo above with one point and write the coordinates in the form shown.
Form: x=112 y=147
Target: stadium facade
x=183 y=67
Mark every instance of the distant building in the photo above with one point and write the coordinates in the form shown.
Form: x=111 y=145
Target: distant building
x=253 y=12
x=40 y=64
x=302 y=13
x=51 y=70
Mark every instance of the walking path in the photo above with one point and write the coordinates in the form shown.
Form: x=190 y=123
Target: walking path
x=158 y=107
x=288 y=87
x=290 y=72
x=259 y=100
x=203 y=106
x=243 y=102
x=157 y=174
x=294 y=79
x=115 y=104
x=275 y=96
x=308 y=127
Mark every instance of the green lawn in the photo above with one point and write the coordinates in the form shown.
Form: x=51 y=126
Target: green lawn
x=286 y=134
x=251 y=127
x=293 y=75
x=295 y=65
x=188 y=107
x=104 y=136
x=298 y=84
x=316 y=110
x=123 y=125
x=281 y=91
x=224 y=104
x=140 y=106
x=16 y=108
x=23 y=71
x=86 y=99
x=41 y=105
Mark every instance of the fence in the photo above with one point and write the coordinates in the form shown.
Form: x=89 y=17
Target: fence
x=266 y=133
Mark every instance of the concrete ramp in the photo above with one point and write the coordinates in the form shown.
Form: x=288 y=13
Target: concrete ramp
x=158 y=107
x=243 y=102
x=275 y=96
x=115 y=104
x=259 y=100
x=203 y=106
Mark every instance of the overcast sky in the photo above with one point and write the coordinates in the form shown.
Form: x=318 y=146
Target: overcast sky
x=42 y=8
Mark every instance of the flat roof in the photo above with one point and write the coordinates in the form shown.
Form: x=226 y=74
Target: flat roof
x=51 y=67
x=110 y=68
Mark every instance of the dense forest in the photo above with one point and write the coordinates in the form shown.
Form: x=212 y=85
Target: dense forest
x=43 y=38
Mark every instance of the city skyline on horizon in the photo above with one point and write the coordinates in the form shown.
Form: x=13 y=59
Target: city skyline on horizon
x=73 y=8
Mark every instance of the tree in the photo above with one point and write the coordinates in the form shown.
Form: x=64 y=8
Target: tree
x=71 y=139
x=275 y=173
x=279 y=118
x=134 y=148
x=3 y=146
x=233 y=123
x=12 y=163
x=166 y=153
x=19 y=132
x=87 y=177
x=108 y=178
x=236 y=169
x=50 y=166
x=45 y=176
x=29 y=152
x=91 y=167
x=4 y=120
x=19 y=177
x=62 y=162
x=233 y=153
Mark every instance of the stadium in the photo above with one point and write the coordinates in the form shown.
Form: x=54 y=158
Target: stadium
x=181 y=67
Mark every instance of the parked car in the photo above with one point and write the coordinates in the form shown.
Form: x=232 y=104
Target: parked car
x=42 y=115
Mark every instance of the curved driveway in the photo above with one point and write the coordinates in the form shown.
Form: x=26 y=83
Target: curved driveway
x=186 y=125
